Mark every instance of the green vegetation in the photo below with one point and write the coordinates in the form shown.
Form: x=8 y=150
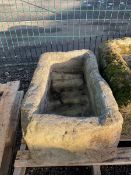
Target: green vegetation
x=117 y=73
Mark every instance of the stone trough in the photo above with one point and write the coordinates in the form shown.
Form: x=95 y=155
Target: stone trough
x=115 y=65
x=69 y=111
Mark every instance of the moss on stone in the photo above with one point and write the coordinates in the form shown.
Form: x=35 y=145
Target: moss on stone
x=117 y=73
x=126 y=113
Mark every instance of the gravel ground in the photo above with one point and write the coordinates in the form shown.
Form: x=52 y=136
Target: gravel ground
x=22 y=73
x=59 y=171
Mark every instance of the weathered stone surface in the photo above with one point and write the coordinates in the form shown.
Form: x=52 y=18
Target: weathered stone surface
x=75 y=98
x=67 y=76
x=115 y=65
x=72 y=111
x=67 y=83
x=92 y=137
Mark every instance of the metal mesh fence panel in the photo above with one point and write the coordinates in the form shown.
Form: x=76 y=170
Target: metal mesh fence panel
x=31 y=27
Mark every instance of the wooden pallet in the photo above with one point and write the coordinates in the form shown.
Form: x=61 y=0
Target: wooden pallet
x=123 y=157
x=23 y=160
x=10 y=100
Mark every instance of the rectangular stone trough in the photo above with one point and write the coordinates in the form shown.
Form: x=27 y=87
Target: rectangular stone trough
x=115 y=66
x=69 y=111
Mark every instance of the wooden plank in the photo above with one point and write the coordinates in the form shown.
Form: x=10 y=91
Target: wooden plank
x=6 y=108
x=20 y=170
x=96 y=170
x=125 y=138
x=23 y=159
x=14 y=118
x=8 y=151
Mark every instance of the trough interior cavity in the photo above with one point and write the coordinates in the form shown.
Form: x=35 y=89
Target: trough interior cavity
x=68 y=94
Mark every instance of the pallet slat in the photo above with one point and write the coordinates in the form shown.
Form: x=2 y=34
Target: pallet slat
x=125 y=139
x=9 y=106
x=6 y=108
x=23 y=159
x=19 y=170
x=96 y=170
x=8 y=151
